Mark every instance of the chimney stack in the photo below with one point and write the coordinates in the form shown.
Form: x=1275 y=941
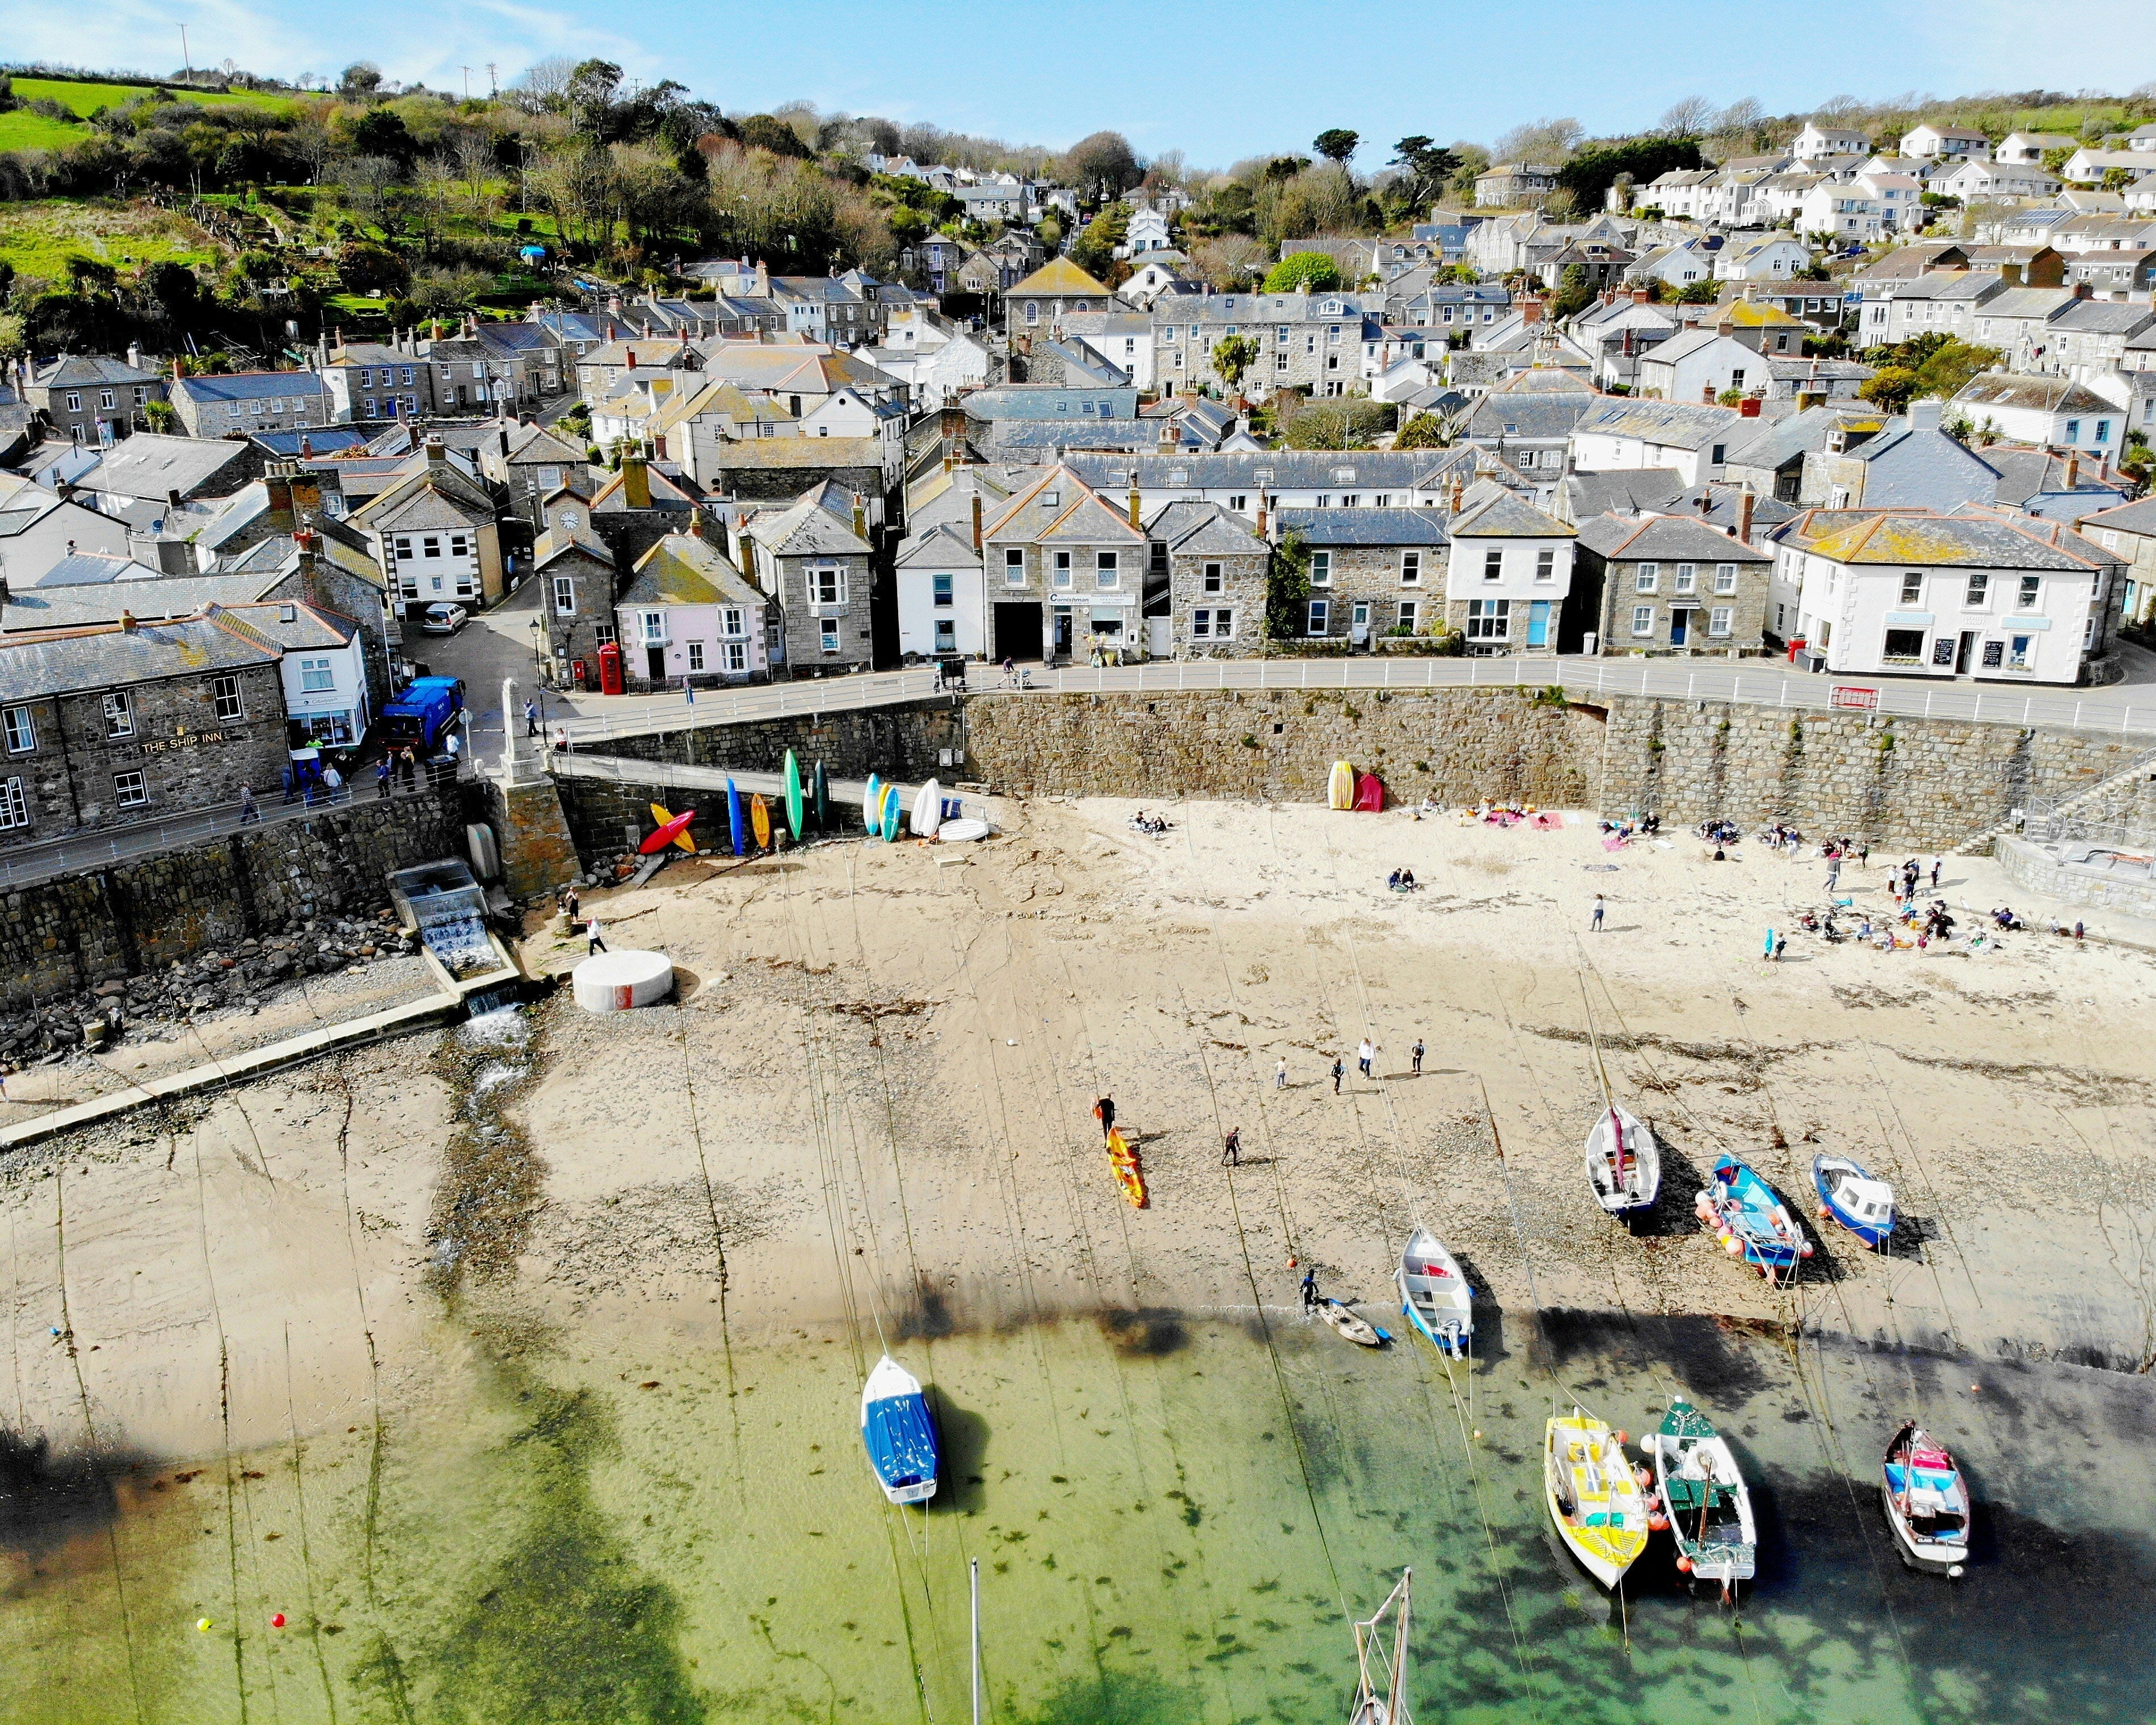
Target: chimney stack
x=1643 y=296
x=1745 y=503
x=636 y=480
x=2073 y=468
x=1531 y=308
x=860 y=518
x=437 y=452
x=127 y=622
x=1454 y=496
x=1134 y=503
x=976 y=524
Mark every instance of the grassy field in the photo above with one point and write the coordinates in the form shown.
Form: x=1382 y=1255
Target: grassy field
x=86 y=98
x=38 y=237
x=19 y=130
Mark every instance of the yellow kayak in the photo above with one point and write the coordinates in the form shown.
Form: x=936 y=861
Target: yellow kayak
x=1595 y=1502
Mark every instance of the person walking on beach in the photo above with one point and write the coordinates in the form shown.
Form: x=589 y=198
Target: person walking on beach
x=1936 y=861
x=1231 y=1148
x=570 y=905
x=1310 y=1289
x=1415 y=1054
x=1104 y=1111
x=1280 y=1073
x=1834 y=872
x=593 y=941
x=407 y=767
x=1339 y=1071
x=1595 y=926
x=1366 y=1053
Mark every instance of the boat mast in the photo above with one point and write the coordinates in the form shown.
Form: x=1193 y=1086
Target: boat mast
x=974 y=1567
x=1399 y=1703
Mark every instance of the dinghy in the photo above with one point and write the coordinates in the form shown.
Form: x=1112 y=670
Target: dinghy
x=1594 y=1502
x=1697 y=1487
x=1861 y=1204
x=1351 y=1325
x=1381 y=1672
x=1926 y=1502
x=736 y=819
x=1435 y=1296
x=823 y=802
x=894 y=812
x=1340 y=785
x=1751 y=1222
x=928 y=810
x=900 y=1433
x=1623 y=1162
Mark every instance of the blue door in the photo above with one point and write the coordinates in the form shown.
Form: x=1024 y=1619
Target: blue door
x=1539 y=623
x=1678 y=619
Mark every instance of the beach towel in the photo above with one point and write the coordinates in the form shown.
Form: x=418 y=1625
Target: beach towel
x=1612 y=843
x=1546 y=823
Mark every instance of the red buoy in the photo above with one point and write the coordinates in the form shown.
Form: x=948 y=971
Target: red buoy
x=277 y=1620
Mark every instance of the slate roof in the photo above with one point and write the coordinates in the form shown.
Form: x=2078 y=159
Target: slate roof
x=1684 y=425
x=1664 y=538
x=820 y=523
x=1058 y=275
x=1589 y=494
x=806 y=454
x=108 y=656
x=1060 y=505
x=95 y=603
x=1052 y=402
x=687 y=569
x=1133 y=435
x=1794 y=434
x=2128 y=518
x=945 y=545
x=560 y=542
x=2014 y=389
x=249 y=386
x=1371 y=526
x=320 y=440
x=1190 y=529
x=1490 y=512
x=88 y=567
x=1270 y=470
x=75 y=370
x=148 y=465
x=1939 y=541
x=293 y=624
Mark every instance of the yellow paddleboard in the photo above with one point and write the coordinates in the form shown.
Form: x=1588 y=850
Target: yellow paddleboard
x=759 y=817
x=1340 y=791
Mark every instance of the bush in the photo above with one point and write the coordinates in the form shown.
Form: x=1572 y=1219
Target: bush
x=1302 y=272
x=1422 y=431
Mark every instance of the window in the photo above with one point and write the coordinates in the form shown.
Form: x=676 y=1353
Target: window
x=2073 y=431
x=827 y=584
x=1904 y=646
x=1105 y=575
x=1321 y=568
x=735 y=656
x=22 y=732
x=2088 y=635
x=1688 y=579
x=75 y=401
x=1546 y=564
x=1718 y=619
x=1646 y=578
x=1241 y=504
x=316 y=676
x=827 y=635
x=1217 y=625
x=1493 y=565
x=1979 y=594
x=1719 y=452
x=459 y=545
x=1063 y=568
x=653 y=623
x=224 y=699
x=1408 y=610
x=1643 y=619
x=603 y=632
x=2017 y=658
x=1015 y=566
x=1410 y=568
x=14 y=806
x=131 y=790
x=430 y=546
x=1737 y=378
x=2103 y=431
x=947 y=634
x=565 y=596
x=1321 y=616
x=1725 y=578
x=943 y=588
x=119 y=713
x=1351 y=499
x=696 y=655
x=366 y=408
x=1912 y=589
x=1214 y=580
x=2031 y=586
x=1489 y=620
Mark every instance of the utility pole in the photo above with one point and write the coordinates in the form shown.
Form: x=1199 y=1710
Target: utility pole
x=493 y=88
x=188 y=59
x=467 y=72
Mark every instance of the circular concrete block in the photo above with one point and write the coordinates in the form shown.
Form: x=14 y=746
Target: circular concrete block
x=614 y=982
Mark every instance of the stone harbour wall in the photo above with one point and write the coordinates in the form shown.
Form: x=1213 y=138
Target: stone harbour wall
x=908 y=742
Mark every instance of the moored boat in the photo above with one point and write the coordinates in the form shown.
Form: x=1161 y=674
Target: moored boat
x=1381 y=1671
x=1751 y=1221
x=1435 y=1296
x=1594 y=1501
x=1623 y=1162
x=1851 y=1197
x=900 y=1433
x=1926 y=1502
x=1350 y=1323
x=1699 y=1488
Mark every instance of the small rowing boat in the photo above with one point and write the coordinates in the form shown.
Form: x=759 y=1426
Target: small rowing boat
x=1926 y=1502
x=1435 y=1296
x=1698 y=1488
x=1751 y=1221
x=899 y=1432
x=1848 y=1193
x=1594 y=1502
x=1623 y=1162
x=1349 y=1323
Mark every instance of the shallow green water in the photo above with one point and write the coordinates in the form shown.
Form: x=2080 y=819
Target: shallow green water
x=1173 y=1516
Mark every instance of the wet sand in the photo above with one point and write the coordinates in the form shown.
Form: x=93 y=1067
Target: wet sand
x=404 y=1297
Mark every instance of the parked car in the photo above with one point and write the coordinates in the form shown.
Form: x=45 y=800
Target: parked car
x=443 y=619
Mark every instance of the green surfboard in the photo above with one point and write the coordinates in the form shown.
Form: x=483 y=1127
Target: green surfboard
x=794 y=815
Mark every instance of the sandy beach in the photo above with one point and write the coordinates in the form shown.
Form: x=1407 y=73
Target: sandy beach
x=866 y=1123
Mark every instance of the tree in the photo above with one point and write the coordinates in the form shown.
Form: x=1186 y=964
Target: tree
x=589 y=95
x=1951 y=368
x=1335 y=145
x=1890 y=386
x=2117 y=179
x=1425 y=167
x=1340 y=422
x=360 y=79
x=1229 y=262
x=1686 y=119
x=1546 y=143
x=1303 y=272
x=767 y=132
x=1589 y=174
x=381 y=132
x=1287 y=590
x=1572 y=293
x=1422 y=431
x=1102 y=167
x=1232 y=357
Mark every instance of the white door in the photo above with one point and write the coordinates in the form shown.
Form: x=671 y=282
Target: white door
x=1156 y=637
x=1359 y=628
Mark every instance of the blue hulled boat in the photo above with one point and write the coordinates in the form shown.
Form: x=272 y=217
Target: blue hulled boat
x=1861 y=1204
x=900 y=1433
x=1751 y=1221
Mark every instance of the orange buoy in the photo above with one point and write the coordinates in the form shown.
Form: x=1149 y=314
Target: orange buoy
x=1684 y=1566
x=1658 y=1523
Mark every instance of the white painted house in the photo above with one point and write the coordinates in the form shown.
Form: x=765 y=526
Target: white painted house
x=2052 y=412
x=1842 y=209
x=1997 y=182
x=1775 y=259
x=1825 y=147
x=942 y=594
x=1691 y=437
x=324 y=670
x=1507 y=574
x=1698 y=365
x=1929 y=142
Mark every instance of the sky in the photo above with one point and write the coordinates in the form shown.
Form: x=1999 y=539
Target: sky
x=1217 y=81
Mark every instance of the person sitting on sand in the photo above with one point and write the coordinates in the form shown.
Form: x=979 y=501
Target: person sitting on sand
x=1392 y=881
x=1407 y=880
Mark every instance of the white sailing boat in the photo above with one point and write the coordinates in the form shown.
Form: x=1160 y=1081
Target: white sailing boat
x=1381 y=1687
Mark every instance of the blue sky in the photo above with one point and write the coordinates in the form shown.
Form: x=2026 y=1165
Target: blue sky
x=1218 y=81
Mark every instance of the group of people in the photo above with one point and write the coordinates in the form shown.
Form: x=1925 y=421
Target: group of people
x=1403 y=880
x=1155 y=824
x=572 y=906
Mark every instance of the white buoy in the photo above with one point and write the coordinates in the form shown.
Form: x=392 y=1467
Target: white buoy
x=615 y=982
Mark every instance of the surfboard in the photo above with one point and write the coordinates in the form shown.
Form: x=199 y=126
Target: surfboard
x=928 y=810
x=794 y=818
x=735 y=826
x=823 y=800
x=894 y=812
x=961 y=832
x=1340 y=789
x=759 y=815
x=872 y=806
x=1370 y=793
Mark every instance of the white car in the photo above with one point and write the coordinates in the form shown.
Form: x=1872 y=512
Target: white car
x=443 y=619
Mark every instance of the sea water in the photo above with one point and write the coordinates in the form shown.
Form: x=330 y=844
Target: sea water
x=1176 y=1516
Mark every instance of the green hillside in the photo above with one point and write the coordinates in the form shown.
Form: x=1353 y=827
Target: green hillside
x=86 y=98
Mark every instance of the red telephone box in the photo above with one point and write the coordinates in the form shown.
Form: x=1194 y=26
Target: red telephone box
x=610 y=669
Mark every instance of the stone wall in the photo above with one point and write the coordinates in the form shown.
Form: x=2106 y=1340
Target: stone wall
x=63 y=936
x=537 y=852
x=2058 y=872
x=906 y=742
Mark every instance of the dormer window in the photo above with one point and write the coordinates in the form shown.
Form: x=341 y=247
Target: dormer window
x=1051 y=499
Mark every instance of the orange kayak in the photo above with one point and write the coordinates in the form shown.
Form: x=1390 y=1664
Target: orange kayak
x=1123 y=1158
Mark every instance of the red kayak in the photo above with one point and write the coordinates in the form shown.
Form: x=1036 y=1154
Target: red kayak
x=672 y=829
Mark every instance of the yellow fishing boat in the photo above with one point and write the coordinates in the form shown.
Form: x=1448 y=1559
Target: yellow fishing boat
x=1595 y=1502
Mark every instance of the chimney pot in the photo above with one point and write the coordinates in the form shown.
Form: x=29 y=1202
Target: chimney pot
x=1745 y=503
x=976 y=523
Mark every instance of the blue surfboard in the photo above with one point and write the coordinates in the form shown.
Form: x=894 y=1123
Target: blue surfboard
x=735 y=825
